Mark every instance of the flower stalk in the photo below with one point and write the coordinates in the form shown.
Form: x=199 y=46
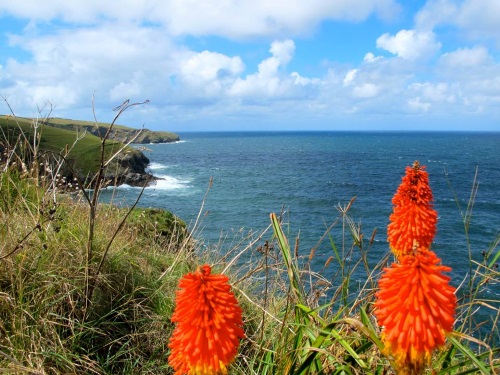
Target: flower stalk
x=208 y=324
x=415 y=304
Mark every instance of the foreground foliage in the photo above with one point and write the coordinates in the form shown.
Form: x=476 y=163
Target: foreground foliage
x=88 y=288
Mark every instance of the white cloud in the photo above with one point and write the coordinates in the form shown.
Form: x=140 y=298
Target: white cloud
x=207 y=66
x=204 y=78
x=473 y=79
x=435 y=12
x=360 y=89
x=303 y=81
x=270 y=81
x=434 y=92
x=110 y=60
x=232 y=19
x=84 y=12
x=282 y=54
x=416 y=104
x=410 y=44
x=130 y=89
x=478 y=18
x=466 y=58
x=370 y=57
x=366 y=90
x=349 y=77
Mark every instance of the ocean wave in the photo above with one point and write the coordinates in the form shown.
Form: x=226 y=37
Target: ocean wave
x=164 y=183
x=169 y=183
x=154 y=166
x=168 y=143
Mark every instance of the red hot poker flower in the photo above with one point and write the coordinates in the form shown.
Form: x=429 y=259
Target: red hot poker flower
x=413 y=220
x=415 y=306
x=209 y=324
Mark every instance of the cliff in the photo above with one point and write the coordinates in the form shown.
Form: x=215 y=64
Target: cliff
x=119 y=132
x=82 y=158
x=130 y=169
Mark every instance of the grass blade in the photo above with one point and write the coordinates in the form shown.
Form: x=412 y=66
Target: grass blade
x=468 y=353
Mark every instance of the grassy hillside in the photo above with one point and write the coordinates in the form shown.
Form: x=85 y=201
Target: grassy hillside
x=82 y=150
x=120 y=132
x=49 y=322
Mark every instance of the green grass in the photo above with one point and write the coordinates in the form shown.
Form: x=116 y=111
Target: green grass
x=52 y=143
x=44 y=322
x=70 y=123
x=119 y=132
x=85 y=155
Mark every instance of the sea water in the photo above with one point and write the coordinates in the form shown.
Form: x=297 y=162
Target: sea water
x=310 y=175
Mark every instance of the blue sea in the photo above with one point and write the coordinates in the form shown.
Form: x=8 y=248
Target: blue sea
x=310 y=175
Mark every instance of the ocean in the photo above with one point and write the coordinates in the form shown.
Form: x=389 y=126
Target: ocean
x=309 y=175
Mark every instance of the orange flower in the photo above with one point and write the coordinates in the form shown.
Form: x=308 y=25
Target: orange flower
x=415 y=306
x=209 y=323
x=413 y=220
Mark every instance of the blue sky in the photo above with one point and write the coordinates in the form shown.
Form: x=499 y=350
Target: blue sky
x=256 y=64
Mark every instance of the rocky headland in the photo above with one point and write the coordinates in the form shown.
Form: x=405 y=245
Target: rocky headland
x=118 y=133
x=56 y=141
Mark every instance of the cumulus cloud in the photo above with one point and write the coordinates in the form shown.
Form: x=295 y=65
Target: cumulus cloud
x=359 y=89
x=410 y=44
x=297 y=79
x=366 y=90
x=477 y=18
x=209 y=73
x=111 y=60
x=349 y=77
x=466 y=58
x=480 y=17
x=232 y=19
x=87 y=12
x=271 y=81
x=434 y=92
x=415 y=104
x=434 y=13
x=128 y=89
x=262 y=17
x=370 y=57
x=472 y=75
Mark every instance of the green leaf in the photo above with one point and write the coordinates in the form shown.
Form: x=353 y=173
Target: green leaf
x=370 y=330
x=467 y=352
x=291 y=266
x=326 y=333
x=456 y=366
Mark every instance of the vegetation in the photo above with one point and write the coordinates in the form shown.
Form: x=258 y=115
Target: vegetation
x=99 y=129
x=120 y=132
x=81 y=150
x=88 y=288
x=85 y=155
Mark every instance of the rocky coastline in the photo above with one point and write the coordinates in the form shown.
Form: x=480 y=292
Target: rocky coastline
x=131 y=171
x=82 y=163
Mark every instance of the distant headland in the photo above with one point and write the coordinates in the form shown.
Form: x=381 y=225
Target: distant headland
x=79 y=143
x=119 y=133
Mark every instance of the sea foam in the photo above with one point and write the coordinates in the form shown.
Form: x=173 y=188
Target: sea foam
x=169 y=183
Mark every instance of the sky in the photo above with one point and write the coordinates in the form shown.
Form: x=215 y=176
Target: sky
x=255 y=64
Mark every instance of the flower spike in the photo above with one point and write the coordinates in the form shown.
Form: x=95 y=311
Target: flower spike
x=209 y=324
x=413 y=220
x=415 y=304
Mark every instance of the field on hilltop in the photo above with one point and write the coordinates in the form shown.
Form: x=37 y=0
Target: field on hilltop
x=79 y=147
